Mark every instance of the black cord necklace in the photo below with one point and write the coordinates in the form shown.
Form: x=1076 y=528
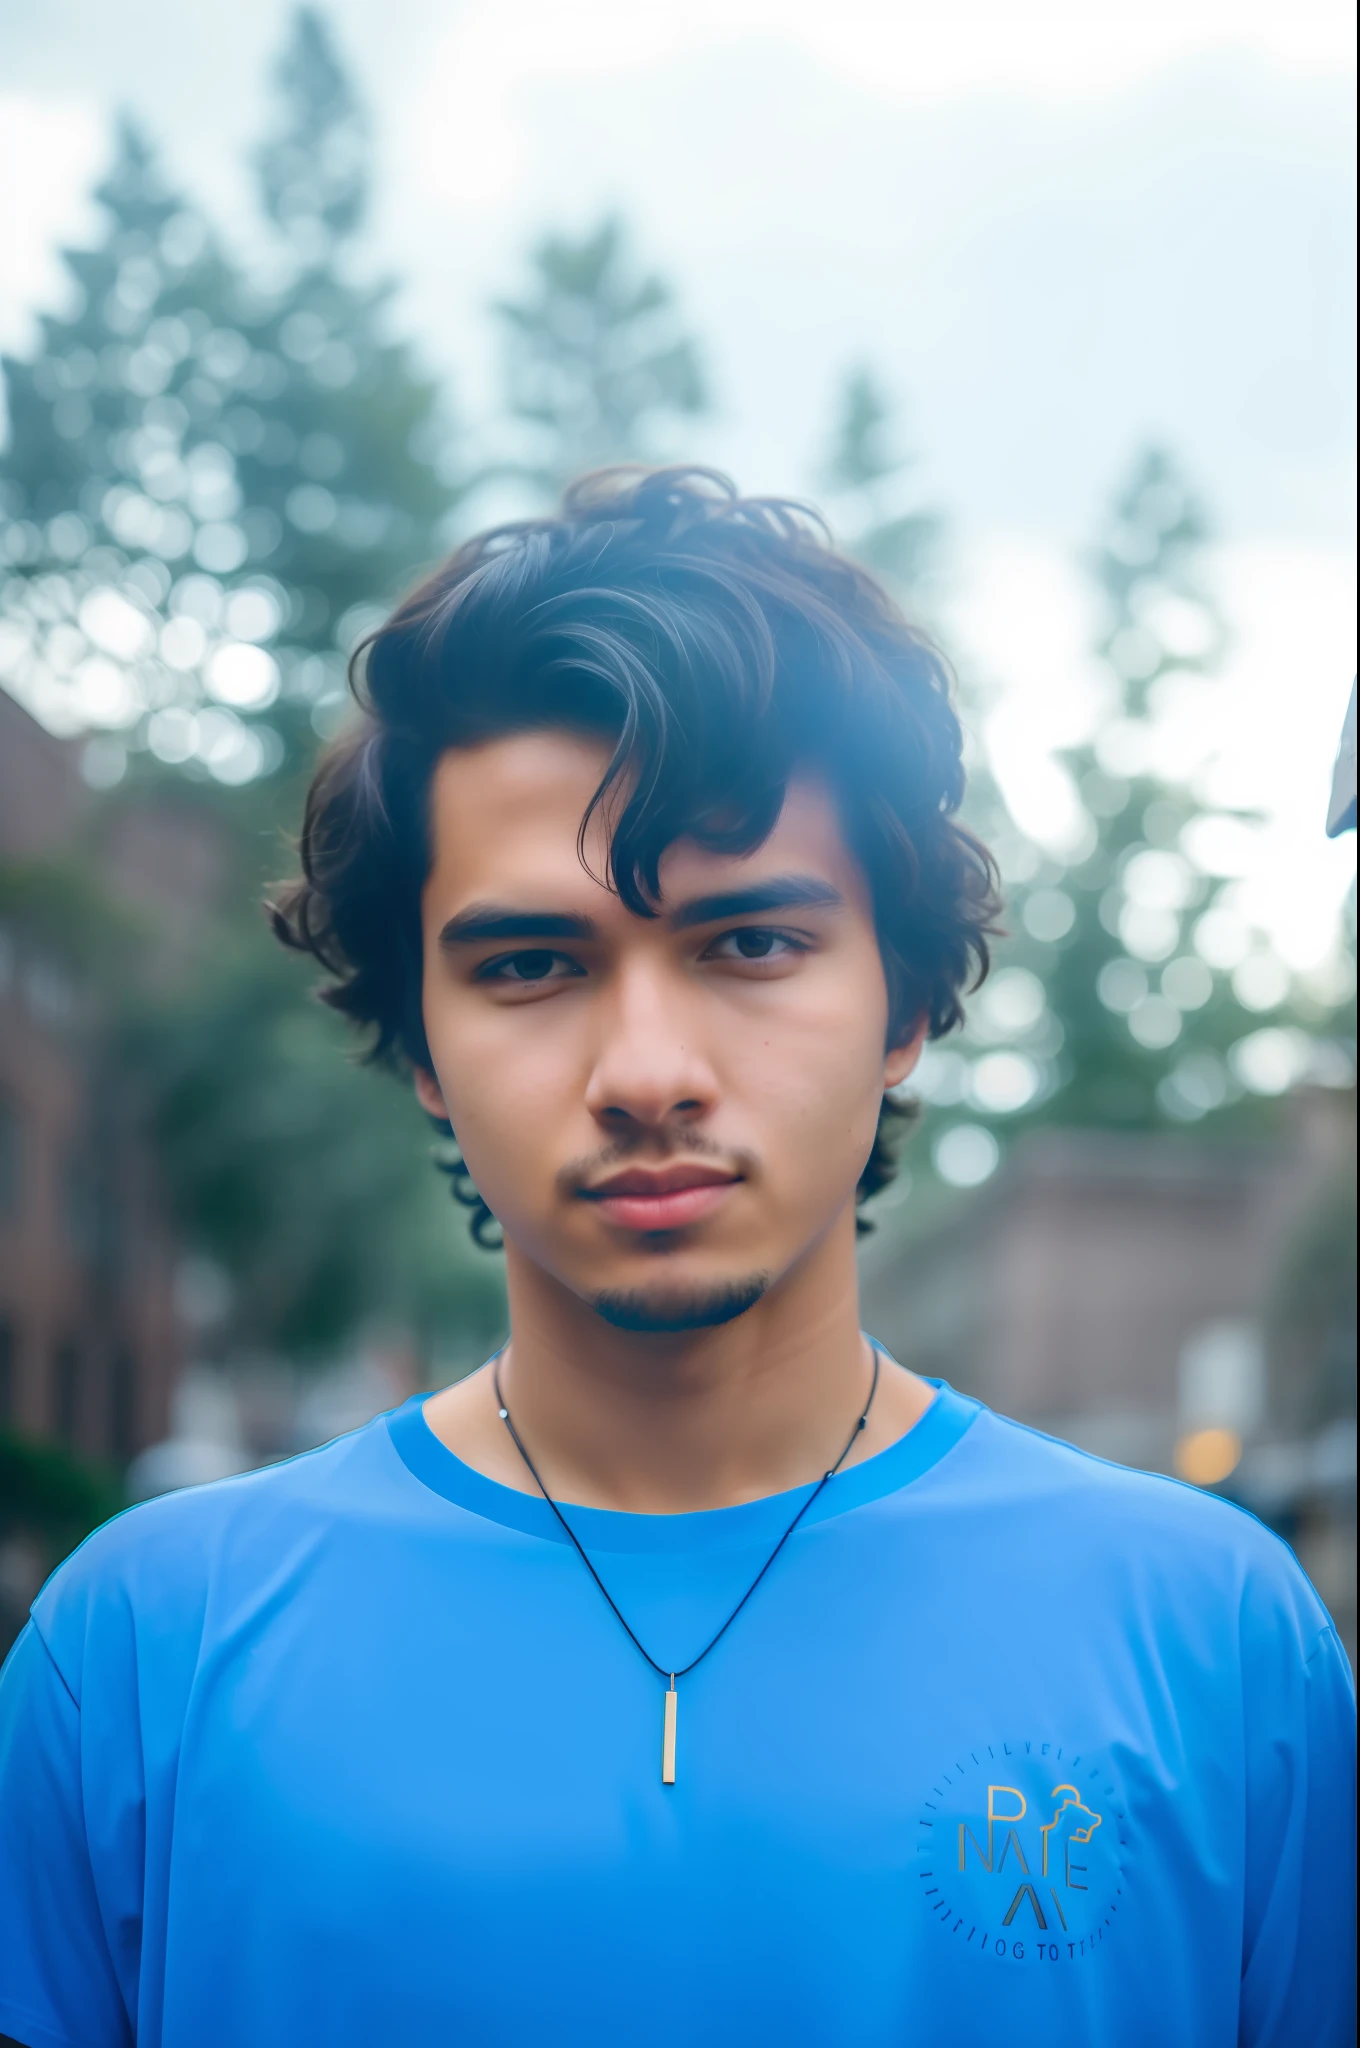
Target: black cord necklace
x=671 y=1697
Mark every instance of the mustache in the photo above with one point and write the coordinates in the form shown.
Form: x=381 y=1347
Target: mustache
x=658 y=1148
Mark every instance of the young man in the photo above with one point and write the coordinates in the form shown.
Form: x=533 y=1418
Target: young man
x=577 y=1703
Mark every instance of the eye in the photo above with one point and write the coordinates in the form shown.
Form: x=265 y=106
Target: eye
x=756 y=943
x=529 y=969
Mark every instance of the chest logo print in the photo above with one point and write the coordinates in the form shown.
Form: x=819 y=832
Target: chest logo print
x=1000 y=1813
x=1021 y=1858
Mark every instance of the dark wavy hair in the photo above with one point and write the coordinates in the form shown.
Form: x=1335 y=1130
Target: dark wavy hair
x=719 y=643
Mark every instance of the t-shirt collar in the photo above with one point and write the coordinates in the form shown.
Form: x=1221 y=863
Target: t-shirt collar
x=435 y=1466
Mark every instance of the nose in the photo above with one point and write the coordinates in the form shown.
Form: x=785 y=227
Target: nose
x=649 y=1069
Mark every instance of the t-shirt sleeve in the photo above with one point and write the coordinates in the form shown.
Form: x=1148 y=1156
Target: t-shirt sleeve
x=1298 y=1964
x=58 y=1982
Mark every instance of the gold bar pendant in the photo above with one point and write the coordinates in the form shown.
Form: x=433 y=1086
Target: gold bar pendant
x=668 y=1736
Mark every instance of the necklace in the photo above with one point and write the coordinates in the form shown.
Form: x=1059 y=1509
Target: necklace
x=672 y=1701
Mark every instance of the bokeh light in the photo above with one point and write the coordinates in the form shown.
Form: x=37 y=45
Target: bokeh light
x=965 y=1155
x=1206 y=1457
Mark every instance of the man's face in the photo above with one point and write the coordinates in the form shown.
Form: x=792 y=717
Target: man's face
x=663 y=1113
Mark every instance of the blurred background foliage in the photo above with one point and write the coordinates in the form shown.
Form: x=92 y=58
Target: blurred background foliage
x=219 y=471
x=1130 y=993
x=596 y=361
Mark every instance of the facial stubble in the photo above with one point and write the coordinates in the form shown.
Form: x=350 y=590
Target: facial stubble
x=657 y=1311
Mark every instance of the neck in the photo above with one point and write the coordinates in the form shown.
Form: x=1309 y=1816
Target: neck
x=676 y=1422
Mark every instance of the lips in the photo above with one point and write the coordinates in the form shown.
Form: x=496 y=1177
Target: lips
x=668 y=1198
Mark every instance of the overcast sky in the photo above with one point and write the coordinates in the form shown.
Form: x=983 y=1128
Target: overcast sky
x=1054 y=231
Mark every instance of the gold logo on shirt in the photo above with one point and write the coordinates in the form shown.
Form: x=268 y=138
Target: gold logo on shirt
x=1007 y=1807
x=1030 y=1866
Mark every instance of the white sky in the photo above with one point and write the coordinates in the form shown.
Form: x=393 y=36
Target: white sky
x=1054 y=231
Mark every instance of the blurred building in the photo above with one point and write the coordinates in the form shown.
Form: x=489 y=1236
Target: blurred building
x=89 y=1336
x=246 y=1413
x=1135 y=1295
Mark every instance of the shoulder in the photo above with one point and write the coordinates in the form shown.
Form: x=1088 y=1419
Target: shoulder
x=145 y=1581
x=1197 y=1550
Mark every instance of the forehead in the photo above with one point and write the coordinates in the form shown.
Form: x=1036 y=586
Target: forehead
x=505 y=819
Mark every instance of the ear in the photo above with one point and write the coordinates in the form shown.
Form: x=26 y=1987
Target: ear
x=901 y=1059
x=430 y=1095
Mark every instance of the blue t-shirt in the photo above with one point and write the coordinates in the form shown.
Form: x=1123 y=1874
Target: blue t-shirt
x=1011 y=1745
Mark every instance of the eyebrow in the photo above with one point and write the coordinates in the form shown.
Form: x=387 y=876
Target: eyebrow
x=483 y=921
x=781 y=892
x=490 y=921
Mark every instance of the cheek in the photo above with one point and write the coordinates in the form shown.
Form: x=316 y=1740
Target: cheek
x=812 y=1068
x=508 y=1076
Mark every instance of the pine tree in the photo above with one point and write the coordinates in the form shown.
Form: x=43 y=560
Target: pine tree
x=870 y=487
x=213 y=476
x=307 y=1179
x=314 y=169
x=597 y=366
x=1132 y=993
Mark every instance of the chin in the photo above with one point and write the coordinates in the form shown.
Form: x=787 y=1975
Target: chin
x=695 y=1306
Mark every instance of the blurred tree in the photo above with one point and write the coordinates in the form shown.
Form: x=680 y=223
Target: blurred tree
x=49 y=1501
x=1132 y=992
x=870 y=484
x=314 y=170
x=213 y=476
x=596 y=363
x=305 y=1178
